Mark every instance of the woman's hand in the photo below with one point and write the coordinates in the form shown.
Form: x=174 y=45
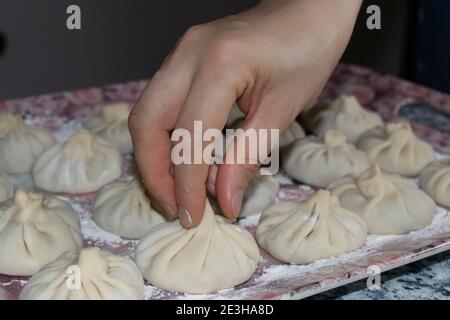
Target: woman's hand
x=273 y=60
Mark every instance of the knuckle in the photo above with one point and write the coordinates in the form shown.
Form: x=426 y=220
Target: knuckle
x=138 y=122
x=193 y=32
x=225 y=50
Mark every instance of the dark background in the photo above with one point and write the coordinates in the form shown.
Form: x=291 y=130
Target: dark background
x=126 y=40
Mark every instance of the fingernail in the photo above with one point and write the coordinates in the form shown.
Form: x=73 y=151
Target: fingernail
x=236 y=202
x=168 y=209
x=185 y=217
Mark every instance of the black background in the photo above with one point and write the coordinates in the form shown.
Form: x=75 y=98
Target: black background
x=125 y=40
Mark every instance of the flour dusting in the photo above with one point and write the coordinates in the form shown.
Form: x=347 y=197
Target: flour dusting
x=66 y=130
x=250 y=221
x=269 y=273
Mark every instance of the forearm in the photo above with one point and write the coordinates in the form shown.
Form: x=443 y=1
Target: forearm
x=341 y=12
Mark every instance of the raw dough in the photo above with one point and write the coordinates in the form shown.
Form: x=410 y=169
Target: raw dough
x=301 y=232
x=292 y=133
x=261 y=193
x=213 y=256
x=319 y=161
x=344 y=114
x=388 y=204
x=102 y=275
x=82 y=164
x=112 y=125
x=6 y=187
x=123 y=208
x=435 y=180
x=20 y=144
x=396 y=149
x=34 y=231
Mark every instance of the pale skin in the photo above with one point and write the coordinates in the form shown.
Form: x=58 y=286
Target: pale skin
x=273 y=59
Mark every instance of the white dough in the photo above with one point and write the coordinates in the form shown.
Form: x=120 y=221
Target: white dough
x=112 y=125
x=102 y=276
x=396 y=149
x=34 y=231
x=388 y=204
x=82 y=164
x=261 y=193
x=435 y=181
x=292 y=133
x=345 y=114
x=301 y=232
x=6 y=187
x=124 y=209
x=319 y=161
x=20 y=144
x=212 y=256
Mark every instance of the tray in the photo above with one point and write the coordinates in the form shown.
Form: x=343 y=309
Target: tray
x=392 y=98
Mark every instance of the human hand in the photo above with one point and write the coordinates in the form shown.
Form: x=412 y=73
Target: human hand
x=273 y=60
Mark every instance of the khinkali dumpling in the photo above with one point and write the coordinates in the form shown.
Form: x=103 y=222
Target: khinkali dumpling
x=6 y=187
x=261 y=193
x=292 y=133
x=388 y=204
x=435 y=180
x=84 y=163
x=123 y=208
x=396 y=149
x=344 y=114
x=112 y=125
x=20 y=144
x=212 y=256
x=34 y=231
x=301 y=232
x=90 y=274
x=319 y=161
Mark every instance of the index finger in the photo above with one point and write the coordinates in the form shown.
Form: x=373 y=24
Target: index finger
x=208 y=101
x=150 y=123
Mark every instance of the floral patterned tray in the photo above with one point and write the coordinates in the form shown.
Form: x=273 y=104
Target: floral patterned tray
x=392 y=98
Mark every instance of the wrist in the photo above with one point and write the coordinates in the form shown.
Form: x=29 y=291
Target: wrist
x=298 y=17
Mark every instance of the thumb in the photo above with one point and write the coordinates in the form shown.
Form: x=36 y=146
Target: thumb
x=233 y=177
